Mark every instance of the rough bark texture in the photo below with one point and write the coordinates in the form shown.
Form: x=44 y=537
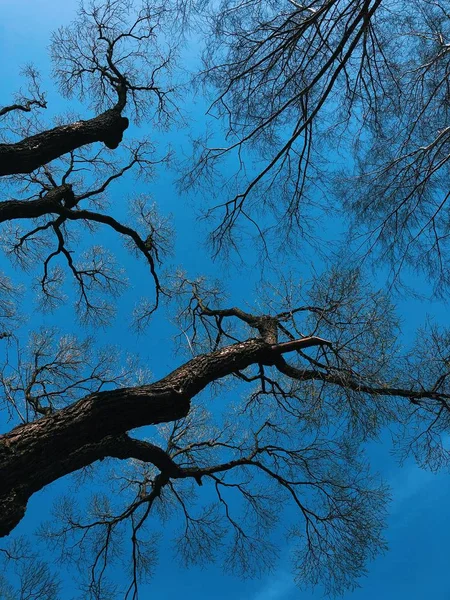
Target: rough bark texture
x=36 y=454
x=31 y=209
x=32 y=152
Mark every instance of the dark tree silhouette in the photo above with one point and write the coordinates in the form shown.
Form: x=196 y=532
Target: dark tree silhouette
x=319 y=365
x=313 y=86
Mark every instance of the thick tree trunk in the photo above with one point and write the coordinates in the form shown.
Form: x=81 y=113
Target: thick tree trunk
x=38 y=150
x=35 y=454
x=52 y=202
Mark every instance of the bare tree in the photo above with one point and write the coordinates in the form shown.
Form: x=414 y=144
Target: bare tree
x=316 y=369
x=50 y=196
x=112 y=53
x=111 y=56
x=286 y=74
x=279 y=438
x=401 y=192
x=35 y=579
x=309 y=85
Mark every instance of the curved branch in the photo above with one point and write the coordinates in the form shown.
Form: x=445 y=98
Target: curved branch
x=351 y=383
x=79 y=434
x=26 y=107
x=59 y=201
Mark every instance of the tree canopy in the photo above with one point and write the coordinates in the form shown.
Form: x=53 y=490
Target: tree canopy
x=320 y=159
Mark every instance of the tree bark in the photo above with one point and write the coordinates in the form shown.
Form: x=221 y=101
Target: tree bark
x=50 y=203
x=35 y=454
x=32 y=152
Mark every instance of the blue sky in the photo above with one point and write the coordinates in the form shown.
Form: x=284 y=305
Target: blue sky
x=415 y=566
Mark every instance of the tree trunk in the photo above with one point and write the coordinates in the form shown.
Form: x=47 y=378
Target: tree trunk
x=32 y=209
x=36 y=454
x=32 y=152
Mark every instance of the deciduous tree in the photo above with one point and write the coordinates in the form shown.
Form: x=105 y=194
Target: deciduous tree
x=307 y=371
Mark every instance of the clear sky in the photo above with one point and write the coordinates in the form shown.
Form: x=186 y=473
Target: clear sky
x=416 y=565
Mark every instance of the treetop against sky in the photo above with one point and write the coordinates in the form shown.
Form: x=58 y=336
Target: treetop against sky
x=221 y=225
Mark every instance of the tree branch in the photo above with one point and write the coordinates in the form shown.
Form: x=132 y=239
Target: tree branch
x=60 y=201
x=351 y=383
x=124 y=447
x=50 y=203
x=79 y=434
x=22 y=107
x=32 y=152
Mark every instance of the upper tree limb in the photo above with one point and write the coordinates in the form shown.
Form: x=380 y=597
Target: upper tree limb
x=37 y=150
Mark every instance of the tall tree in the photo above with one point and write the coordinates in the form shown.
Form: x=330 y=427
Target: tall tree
x=338 y=98
x=319 y=365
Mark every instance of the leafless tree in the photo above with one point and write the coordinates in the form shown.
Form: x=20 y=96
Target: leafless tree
x=400 y=189
x=306 y=373
x=114 y=58
x=315 y=87
x=34 y=578
x=275 y=446
x=286 y=74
